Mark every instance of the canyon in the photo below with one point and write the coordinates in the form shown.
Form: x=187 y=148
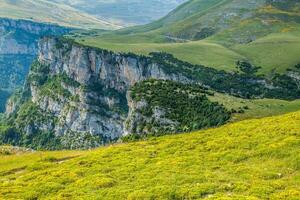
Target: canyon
x=18 y=49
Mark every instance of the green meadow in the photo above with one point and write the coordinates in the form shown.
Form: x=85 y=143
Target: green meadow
x=252 y=159
x=275 y=52
x=255 y=108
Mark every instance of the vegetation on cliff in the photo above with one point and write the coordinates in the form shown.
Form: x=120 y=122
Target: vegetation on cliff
x=23 y=129
x=182 y=110
x=245 y=85
x=171 y=107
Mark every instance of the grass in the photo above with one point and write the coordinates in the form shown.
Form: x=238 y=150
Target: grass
x=274 y=52
x=256 y=108
x=253 y=159
x=200 y=52
x=268 y=37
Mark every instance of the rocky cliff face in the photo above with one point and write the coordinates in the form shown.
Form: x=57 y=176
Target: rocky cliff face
x=88 y=65
x=18 y=48
x=21 y=36
x=82 y=91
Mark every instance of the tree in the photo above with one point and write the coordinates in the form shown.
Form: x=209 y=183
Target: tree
x=9 y=135
x=247 y=67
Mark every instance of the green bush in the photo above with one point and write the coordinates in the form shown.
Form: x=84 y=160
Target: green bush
x=247 y=67
x=8 y=135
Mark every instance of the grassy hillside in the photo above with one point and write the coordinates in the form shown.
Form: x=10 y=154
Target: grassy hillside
x=217 y=33
x=234 y=20
x=46 y=11
x=199 y=52
x=278 y=51
x=255 y=108
x=254 y=159
x=275 y=52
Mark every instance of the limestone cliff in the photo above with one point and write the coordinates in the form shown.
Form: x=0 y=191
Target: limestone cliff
x=82 y=91
x=88 y=65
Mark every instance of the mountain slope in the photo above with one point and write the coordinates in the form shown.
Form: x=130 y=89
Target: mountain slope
x=182 y=12
x=99 y=14
x=46 y=11
x=125 y=12
x=254 y=159
x=229 y=20
x=234 y=25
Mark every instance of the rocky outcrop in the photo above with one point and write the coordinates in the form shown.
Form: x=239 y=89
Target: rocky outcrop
x=10 y=106
x=295 y=75
x=87 y=65
x=21 y=36
x=139 y=123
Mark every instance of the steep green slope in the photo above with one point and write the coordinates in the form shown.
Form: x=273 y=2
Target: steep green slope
x=182 y=12
x=229 y=20
x=262 y=31
x=46 y=11
x=275 y=52
x=254 y=159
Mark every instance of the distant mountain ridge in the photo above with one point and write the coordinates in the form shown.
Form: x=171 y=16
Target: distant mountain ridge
x=230 y=20
x=126 y=12
x=88 y=14
x=50 y=12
